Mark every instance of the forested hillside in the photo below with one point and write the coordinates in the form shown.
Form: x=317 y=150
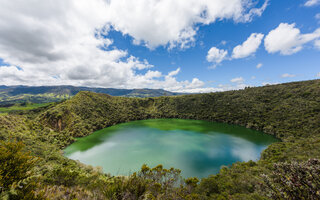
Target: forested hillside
x=288 y=111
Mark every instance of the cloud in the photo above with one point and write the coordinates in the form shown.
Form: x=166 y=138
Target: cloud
x=221 y=87
x=317 y=44
x=286 y=75
x=63 y=42
x=175 y=72
x=153 y=74
x=287 y=39
x=310 y=3
x=174 y=23
x=170 y=83
x=237 y=80
x=318 y=74
x=237 y=86
x=237 y=83
x=259 y=65
x=249 y=47
x=223 y=42
x=268 y=83
x=216 y=55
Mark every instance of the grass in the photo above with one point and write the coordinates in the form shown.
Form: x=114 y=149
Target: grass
x=19 y=107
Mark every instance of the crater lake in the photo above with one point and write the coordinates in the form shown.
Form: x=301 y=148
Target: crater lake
x=198 y=148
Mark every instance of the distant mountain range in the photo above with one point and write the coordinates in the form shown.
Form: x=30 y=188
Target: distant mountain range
x=45 y=94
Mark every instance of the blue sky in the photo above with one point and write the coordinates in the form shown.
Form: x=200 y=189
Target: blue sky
x=304 y=65
x=136 y=46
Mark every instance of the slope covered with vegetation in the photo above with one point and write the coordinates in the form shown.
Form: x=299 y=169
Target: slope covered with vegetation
x=288 y=111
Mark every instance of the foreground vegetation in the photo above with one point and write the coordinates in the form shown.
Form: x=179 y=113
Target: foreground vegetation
x=290 y=112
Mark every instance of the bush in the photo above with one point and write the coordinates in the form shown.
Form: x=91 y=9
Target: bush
x=16 y=166
x=295 y=180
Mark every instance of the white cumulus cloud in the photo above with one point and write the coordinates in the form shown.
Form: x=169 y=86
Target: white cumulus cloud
x=269 y=83
x=310 y=3
x=174 y=22
x=216 y=55
x=287 y=39
x=286 y=75
x=249 y=47
x=65 y=42
x=259 y=65
x=237 y=80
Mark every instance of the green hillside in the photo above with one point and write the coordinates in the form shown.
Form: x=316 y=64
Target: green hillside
x=291 y=112
x=287 y=110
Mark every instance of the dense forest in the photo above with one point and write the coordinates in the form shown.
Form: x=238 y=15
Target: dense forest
x=32 y=143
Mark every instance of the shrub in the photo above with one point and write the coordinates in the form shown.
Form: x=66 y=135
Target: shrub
x=295 y=180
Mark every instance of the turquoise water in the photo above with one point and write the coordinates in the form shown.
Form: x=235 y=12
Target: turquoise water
x=198 y=148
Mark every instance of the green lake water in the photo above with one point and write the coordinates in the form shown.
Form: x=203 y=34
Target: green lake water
x=198 y=148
